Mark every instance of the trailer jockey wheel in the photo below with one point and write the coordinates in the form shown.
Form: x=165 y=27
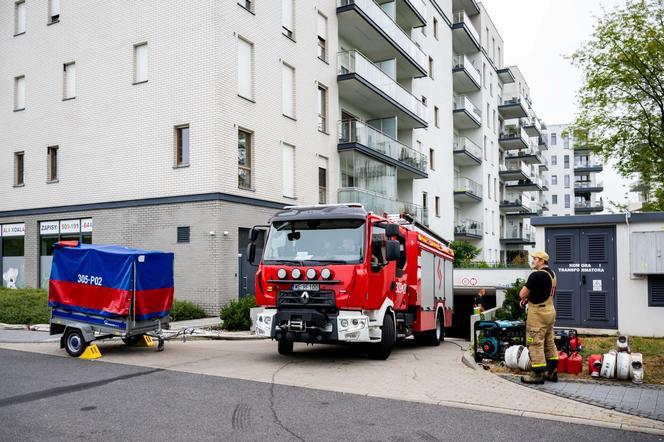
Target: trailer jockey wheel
x=132 y=340
x=74 y=342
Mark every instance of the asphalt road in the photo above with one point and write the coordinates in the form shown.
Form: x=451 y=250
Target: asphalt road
x=55 y=398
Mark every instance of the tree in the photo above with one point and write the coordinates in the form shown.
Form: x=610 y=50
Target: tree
x=622 y=98
x=464 y=252
x=511 y=309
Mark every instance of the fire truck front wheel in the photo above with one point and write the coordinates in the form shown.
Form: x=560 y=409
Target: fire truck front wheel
x=285 y=347
x=383 y=349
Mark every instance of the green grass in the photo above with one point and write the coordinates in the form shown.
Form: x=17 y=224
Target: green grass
x=24 y=306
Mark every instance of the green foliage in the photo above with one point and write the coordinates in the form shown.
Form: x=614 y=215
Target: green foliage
x=511 y=310
x=235 y=314
x=185 y=311
x=464 y=252
x=24 y=306
x=491 y=265
x=622 y=98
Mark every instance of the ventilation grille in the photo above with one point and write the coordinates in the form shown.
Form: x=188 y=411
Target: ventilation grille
x=563 y=249
x=184 y=234
x=656 y=291
x=564 y=305
x=597 y=306
x=597 y=248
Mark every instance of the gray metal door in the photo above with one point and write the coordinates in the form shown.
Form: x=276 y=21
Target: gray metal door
x=584 y=260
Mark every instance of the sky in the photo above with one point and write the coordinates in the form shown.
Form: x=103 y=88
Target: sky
x=537 y=35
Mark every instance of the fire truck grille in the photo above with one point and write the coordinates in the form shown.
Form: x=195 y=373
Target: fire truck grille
x=321 y=299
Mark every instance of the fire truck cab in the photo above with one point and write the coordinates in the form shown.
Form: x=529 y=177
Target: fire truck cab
x=335 y=273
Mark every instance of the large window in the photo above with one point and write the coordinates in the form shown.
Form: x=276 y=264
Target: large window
x=288 y=170
x=322 y=108
x=19 y=17
x=69 y=81
x=567 y=203
x=288 y=90
x=554 y=180
x=244 y=152
x=245 y=69
x=50 y=232
x=182 y=145
x=19 y=93
x=322 y=36
x=19 y=168
x=322 y=180
x=140 y=63
x=12 y=254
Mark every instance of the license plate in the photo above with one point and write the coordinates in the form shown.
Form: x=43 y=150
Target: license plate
x=306 y=287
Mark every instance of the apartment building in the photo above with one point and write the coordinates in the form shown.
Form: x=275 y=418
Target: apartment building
x=179 y=126
x=575 y=186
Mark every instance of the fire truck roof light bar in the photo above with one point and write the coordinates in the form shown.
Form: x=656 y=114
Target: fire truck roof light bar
x=322 y=206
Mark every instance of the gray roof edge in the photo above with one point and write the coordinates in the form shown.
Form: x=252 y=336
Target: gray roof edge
x=611 y=218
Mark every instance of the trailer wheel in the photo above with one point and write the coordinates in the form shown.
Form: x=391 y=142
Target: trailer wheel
x=74 y=342
x=285 y=347
x=132 y=340
x=383 y=349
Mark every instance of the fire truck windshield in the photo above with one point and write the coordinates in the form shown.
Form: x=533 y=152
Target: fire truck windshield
x=315 y=242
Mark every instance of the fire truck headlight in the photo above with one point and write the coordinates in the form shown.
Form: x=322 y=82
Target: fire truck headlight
x=326 y=273
x=344 y=323
x=311 y=274
x=296 y=273
x=281 y=273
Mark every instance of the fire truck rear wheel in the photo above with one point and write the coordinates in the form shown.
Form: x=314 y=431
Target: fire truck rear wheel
x=285 y=347
x=383 y=349
x=433 y=337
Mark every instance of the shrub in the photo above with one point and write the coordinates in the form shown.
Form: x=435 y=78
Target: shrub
x=464 y=252
x=235 y=314
x=511 y=310
x=185 y=311
x=24 y=306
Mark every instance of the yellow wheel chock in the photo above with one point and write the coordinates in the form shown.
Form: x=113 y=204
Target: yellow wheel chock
x=146 y=341
x=91 y=352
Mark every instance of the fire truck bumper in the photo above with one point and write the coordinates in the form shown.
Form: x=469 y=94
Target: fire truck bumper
x=313 y=326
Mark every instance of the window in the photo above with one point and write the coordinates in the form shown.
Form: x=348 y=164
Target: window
x=184 y=234
x=53 y=11
x=245 y=69
x=52 y=173
x=484 y=74
x=655 y=291
x=485 y=157
x=495 y=122
x=322 y=108
x=491 y=83
x=244 y=153
x=247 y=4
x=436 y=116
x=566 y=182
x=432 y=160
x=431 y=67
x=554 y=199
x=493 y=49
x=182 y=145
x=495 y=189
x=566 y=161
x=566 y=201
x=322 y=37
x=19 y=93
x=493 y=222
x=288 y=18
x=566 y=142
x=499 y=61
x=424 y=100
x=425 y=203
x=140 y=63
x=437 y=204
x=554 y=160
x=322 y=180
x=486 y=221
x=488 y=115
x=18 y=168
x=554 y=180
x=554 y=139
x=69 y=81
x=19 y=18
x=288 y=91
x=435 y=28
x=288 y=170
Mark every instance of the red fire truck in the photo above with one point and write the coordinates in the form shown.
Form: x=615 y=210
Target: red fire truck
x=335 y=273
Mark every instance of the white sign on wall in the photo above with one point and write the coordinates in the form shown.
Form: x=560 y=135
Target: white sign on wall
x=86 y=225
x=70 y=226
x=49 y=228
x=17 y=229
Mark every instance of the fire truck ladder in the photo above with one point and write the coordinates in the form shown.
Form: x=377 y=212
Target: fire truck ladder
x=408 y=217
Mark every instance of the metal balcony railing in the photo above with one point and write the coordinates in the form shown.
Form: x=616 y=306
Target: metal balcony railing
x=379 y=203
x=462 y=102
x=390 y=27
x=469 y=227
x=354 y=62
x=462 y=61
x=465 y=144
x=355 y=131
x=463 y=184
x=462 y=17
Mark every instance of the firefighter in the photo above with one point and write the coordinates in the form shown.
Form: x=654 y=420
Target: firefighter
x=538 y=292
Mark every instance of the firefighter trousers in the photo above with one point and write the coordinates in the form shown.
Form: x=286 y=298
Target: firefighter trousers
x=539 y=335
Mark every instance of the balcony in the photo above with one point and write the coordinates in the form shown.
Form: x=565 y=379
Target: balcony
x=544 y=165
x=467 y=190
x=465 y=38
x=587 y=166
x=581 y=146
x=533 y=208
x=363 y=85
x=364 y=25
x=514 y=171
x=529 y=156
x=527 y=185
x=468 y=229
x=532 y=127
x=379 y=203
x=505 y=75
x=357 y=135
x=466 y=114
x=411 y=13
x=515 y=107
x=585 y=187
x=542 y=142
x=466 y=152
x=516 y=235
x=588 y=206
x=465 y=76
x=514 y=205
x=514 y=137
x=470 y=6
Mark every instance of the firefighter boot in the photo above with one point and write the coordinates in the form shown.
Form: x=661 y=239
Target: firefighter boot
x=536 y=377
x=551 y=370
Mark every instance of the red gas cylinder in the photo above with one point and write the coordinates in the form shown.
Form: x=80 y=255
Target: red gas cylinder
x=594 y=365
x=575 y=363
x=562 y=362
x=575 y=343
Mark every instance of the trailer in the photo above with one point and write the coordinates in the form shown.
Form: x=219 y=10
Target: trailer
x=105 y=291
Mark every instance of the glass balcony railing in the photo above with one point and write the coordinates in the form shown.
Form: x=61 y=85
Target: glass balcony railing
x=511 y=101
x=597 y=205
x=462 y=17
x=587 y=184
x=578 y=163
x=354 y=62
x=532 y=150
x=514 y=131
x=462 y=61
x=463 y=184
x=462 y=102
x=390 y=27
x=516 y=233
x=468 y=227
x=355 y=131
x=379 y=203
x=465 y=144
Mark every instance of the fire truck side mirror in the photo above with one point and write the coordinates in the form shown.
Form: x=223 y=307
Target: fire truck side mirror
x=253 y=234
x=391 y=230
x=392 y=250
x=251 y=252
